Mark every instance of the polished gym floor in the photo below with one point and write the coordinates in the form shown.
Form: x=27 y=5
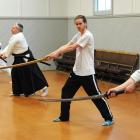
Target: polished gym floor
x=28 y=118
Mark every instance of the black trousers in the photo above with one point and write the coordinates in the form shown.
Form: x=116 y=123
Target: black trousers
x=89 y=84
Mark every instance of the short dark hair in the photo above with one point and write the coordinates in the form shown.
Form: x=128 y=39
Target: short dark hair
x=20 y=26
x=81 y=17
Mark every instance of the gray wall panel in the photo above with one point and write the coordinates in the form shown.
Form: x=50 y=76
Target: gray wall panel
x=117 y=33
x=121 y=34
x=43 y=35
x=113 y=33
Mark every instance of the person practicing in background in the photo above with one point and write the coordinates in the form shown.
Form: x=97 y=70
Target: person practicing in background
x=83 y=73
x=128 y=86
x=27 y=79
x=3 y=63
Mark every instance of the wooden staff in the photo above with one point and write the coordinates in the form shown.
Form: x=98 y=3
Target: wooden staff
x=94 y=97
x=74 y=99
x=24 y=64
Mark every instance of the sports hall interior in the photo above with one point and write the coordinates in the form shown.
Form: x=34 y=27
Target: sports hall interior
x=49 y=24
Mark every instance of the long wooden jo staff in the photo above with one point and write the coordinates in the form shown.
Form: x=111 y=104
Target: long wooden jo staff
x=24 y=64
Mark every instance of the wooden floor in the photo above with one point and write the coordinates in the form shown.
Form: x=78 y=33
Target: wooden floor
x=23 y=118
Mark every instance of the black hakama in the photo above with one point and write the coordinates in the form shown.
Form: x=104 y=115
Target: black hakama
x=26 y=79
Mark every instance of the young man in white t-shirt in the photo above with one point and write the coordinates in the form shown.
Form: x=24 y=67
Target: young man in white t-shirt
x=83 y=71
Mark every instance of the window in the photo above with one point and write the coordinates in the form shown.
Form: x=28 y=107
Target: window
x=103 y=7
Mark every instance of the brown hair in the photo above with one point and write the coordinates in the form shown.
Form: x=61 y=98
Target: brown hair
x=81 y=17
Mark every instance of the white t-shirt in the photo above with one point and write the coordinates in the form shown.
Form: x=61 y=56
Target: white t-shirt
x=84 y=63
x=17 y=44
x=136 y=76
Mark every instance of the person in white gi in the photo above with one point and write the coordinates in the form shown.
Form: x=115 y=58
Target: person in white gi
x=3 y=63
x=129 y=85
x=27 y=79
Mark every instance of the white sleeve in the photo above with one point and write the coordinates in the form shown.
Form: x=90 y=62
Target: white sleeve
x=136 y=76
x=7 y=51
x=73 y=40
x=83 y=41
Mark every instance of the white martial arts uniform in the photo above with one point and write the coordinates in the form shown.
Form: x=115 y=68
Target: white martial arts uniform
x=2 y=63
x=136 y=76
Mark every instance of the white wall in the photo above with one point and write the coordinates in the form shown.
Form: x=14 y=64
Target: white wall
x=62 y=8
x=76 y=7
x=58 y=8
x=122 y=7
x=86 y=7
x=136 y=6
x=9 y=8
x=33 y=8
x=73 y=7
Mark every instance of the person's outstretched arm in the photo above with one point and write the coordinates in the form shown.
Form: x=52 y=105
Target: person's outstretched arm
x=60 y=51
